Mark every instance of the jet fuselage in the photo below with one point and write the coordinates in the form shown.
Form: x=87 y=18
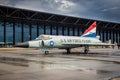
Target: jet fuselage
x=63 y=42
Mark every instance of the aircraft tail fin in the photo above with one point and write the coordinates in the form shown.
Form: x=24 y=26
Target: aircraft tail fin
x=91 y=31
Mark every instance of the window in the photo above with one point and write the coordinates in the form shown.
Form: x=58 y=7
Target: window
x=1 y=32
x=34 y=31
x=54 y=30
x=71 y=31
x=26 y=33
x=59 y=30
x=48 y=29
x=9 y=32
x=41 y=29
x=80 y=31
x=75 y=31
x=65 y=31
x=18 y=31
x=115 y=36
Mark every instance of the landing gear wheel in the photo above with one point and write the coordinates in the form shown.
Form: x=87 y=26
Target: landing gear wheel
x=86 y=49
x=46 y=52
x=68 y=51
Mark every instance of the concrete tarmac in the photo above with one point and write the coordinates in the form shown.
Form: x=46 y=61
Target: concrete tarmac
x=31 y=64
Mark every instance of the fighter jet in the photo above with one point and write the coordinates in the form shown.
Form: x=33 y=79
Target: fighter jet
x=46 y=42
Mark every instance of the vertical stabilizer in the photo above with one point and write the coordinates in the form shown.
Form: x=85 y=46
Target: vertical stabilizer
x=91 y=31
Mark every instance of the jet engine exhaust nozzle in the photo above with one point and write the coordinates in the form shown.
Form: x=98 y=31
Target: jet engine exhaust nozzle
x=23 y=45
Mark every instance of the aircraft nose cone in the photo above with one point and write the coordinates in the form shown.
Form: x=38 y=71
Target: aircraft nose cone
x=23 y=45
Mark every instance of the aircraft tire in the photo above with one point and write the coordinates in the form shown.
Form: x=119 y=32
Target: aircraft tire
x=85 y=51
x=46 y=52
x=68 y=51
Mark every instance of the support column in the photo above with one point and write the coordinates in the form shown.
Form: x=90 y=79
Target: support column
x=107 y=35
x=4 y=32
x=22 y=35
x=118 y=36
x=68 y=31
x=73 y=31
x=30 y=32
x=13 y=32
x=57 y=29
x=112 y=36
x=44 y=28
x=51 y=29
x=62 y=30
x=103 y=36
x=115 y=36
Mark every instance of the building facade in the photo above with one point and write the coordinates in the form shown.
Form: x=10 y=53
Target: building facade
x=19 y=25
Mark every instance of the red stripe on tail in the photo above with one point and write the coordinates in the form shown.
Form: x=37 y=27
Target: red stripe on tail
x=90 y=28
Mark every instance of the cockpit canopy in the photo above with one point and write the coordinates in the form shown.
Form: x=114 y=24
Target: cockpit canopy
x=43 y=37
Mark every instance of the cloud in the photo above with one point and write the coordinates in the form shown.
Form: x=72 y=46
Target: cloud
x=46 y=5
x=5 y=2
x=65 y=5
x=112 y=8
x=8 y=2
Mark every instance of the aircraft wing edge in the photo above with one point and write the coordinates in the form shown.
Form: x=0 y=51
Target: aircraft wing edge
x=90 y=44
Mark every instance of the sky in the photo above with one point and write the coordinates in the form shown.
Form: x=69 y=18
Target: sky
x=105 y=10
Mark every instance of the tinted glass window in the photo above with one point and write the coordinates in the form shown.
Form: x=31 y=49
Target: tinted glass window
x=18 y=33
x=48 y=29
x=26 y=33
x=34 y=31
x=71 y=31
x=41 y=29
x=1 y=32
x=54 y=30
x=9 y=32
x=65 y=31
x=60 y=30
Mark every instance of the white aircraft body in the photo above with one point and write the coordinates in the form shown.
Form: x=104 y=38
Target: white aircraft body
x=45 y=42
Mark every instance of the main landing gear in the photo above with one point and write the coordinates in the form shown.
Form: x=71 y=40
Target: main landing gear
x=86 y=50
x=46 y=52
x=68 y=50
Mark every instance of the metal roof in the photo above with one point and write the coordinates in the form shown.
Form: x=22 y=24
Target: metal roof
x=17 y=14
